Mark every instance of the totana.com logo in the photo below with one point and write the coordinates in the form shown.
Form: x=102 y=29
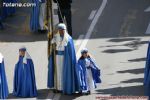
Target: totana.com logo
x=19 y=4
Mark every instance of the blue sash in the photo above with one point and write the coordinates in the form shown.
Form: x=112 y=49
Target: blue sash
x=59 y=52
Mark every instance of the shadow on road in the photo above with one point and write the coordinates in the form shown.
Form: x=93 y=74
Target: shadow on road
x=124 y=91
x=22 y=38
x=137 y=80
x=42 y=94
x=133 y=71
x=137 y=59
x=117 y=50
x=125 y=21
x=122 y=39
x=132 y=43
x=70 y=97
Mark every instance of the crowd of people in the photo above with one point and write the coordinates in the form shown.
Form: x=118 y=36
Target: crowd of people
x=67 y=75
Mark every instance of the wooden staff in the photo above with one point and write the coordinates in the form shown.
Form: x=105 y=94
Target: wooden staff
x=51 y=32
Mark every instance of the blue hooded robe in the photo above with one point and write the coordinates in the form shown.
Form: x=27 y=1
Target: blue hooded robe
x=3 y=82
x=70 y=75
x=82 y=73
x=147 y=72
x=34 y=19
x=24 y=79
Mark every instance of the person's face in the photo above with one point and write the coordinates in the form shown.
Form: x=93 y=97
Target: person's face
x=21 y=53
x=85 y=55
x=61 y=32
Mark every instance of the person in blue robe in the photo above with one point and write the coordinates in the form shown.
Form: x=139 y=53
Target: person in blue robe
x=42 y=6
x=89 y=72
x=24 y=77
x=147 y=73
x=63 y=76
x=34 y=19
x=3 y=81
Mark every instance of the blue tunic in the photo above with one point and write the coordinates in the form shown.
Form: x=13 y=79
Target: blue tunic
x=147 y=72
x=24 y=79
x=34 y=19
x=82 y=73
x=3 y=82
x=70 y=75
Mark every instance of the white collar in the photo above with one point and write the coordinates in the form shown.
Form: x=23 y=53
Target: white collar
x=27 y=56
x=57 y=39
x=65 y=39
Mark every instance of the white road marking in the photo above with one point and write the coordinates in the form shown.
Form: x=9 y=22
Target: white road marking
x=79 y=41
x=148 y=29
x=92 y=14
x=147 y=9
x=91 y=28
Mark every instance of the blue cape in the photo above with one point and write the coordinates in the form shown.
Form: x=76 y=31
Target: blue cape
x=34 y=19
x=82 y=73
x=3 y=82
x=24 y=79
x=70 y=76
x=147 y=72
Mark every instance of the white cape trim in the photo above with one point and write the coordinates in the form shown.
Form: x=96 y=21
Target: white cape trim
x=27 y=56
x=1 y=58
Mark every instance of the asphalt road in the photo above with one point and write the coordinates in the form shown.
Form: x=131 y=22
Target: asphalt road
x=114 y=34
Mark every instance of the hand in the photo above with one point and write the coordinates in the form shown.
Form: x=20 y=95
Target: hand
x=88 y=63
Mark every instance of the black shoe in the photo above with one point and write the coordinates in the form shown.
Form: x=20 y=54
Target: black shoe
x=55 y=91
x=89 y=92
x=80 y=92
x=59 y=91
x=43 y=31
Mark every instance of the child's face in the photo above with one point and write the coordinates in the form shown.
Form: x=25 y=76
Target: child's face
x=85 y=55
x=21 y=53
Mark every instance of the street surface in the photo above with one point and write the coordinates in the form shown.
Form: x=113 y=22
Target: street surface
x=116 y=32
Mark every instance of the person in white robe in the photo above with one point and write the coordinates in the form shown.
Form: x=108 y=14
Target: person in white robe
x=63 y=77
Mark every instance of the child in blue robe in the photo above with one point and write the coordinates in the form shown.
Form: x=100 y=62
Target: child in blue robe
x=88 y=72
x=24 y=77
